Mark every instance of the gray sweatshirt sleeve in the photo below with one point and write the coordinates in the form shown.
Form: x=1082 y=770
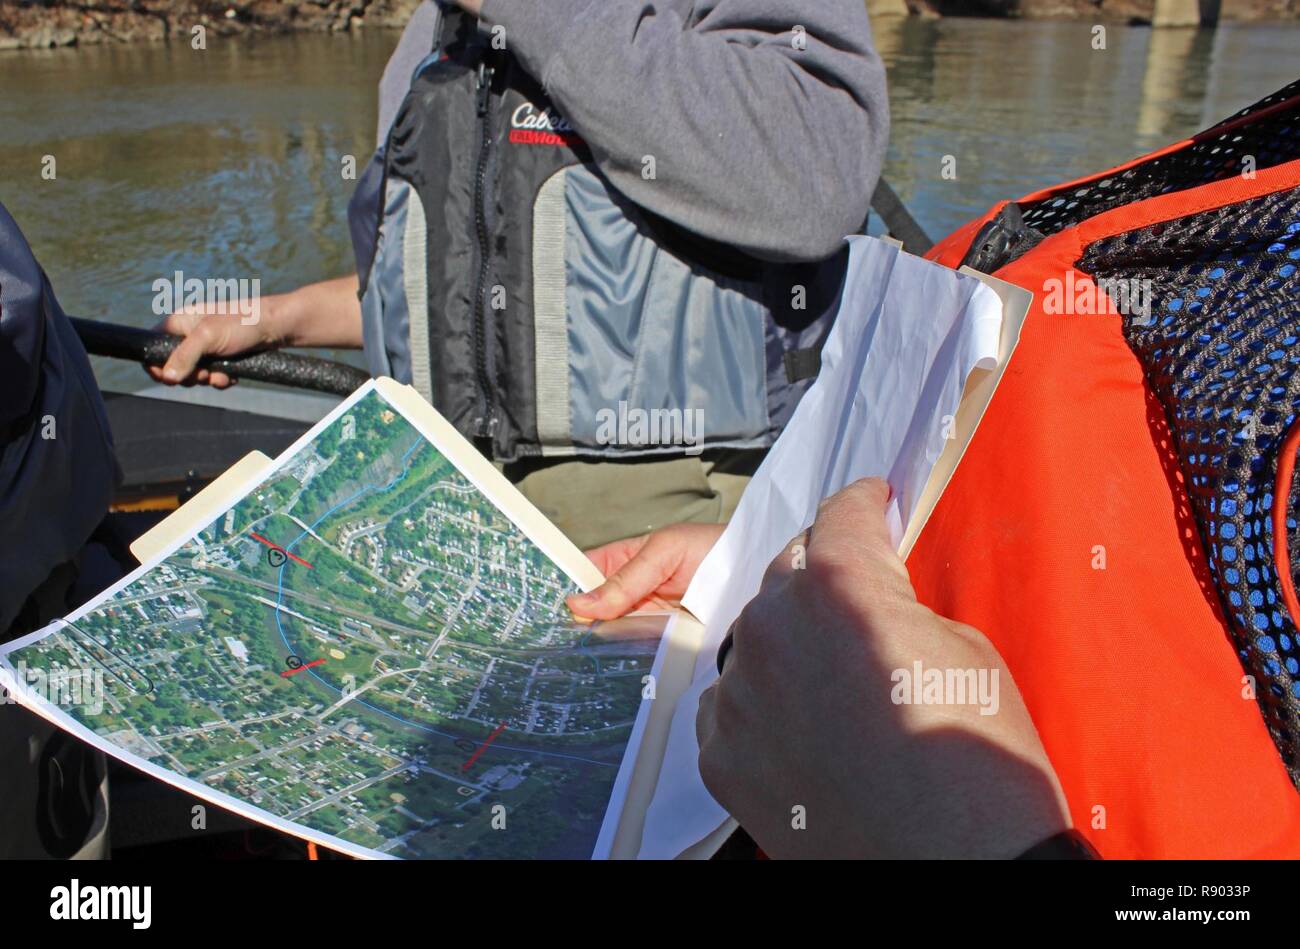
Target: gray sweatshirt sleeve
x=414 y=44
x=756 y=142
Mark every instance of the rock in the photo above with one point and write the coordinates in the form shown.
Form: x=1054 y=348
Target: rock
x=70 y=22
x=388 y=12
x=48 y=37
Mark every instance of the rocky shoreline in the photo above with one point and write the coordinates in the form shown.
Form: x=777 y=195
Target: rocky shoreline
x=40 y=24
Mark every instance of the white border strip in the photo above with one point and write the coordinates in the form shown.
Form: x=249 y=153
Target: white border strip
x=415 y=285
x=550 y=318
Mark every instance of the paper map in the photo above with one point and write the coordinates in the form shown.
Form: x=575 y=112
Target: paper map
x=364 y=646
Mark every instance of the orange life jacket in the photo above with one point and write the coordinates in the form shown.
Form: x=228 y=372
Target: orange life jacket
x=1082 y=531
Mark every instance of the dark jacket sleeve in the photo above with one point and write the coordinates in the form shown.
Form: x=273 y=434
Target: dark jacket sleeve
x=767 y=120
x=57 y=469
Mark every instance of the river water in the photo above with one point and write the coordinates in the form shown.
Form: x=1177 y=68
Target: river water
x=228 y=162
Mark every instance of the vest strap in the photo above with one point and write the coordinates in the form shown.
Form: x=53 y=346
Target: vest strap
x=801 y=364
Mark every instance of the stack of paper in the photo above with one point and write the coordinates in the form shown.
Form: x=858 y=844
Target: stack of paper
x=909 y=367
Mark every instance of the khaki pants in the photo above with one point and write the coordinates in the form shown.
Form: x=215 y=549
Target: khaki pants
x=594 y=502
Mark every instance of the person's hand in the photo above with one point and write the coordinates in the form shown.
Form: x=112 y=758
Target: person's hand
x=320 y=314
x=215 y=330
x=647 y=571
x=806 y=738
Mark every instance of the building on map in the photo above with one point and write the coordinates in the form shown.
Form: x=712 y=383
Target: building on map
x=503 y=778
x=237 y=649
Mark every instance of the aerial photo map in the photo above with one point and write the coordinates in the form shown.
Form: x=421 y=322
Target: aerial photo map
x=364 y=645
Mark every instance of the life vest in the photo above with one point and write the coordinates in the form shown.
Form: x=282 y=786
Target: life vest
x=1111 y=527
x=530 y=302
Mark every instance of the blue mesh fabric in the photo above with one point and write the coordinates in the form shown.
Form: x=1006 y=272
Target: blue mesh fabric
x=1220 y=345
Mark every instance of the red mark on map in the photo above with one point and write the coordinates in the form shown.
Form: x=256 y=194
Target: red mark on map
x=306 y=665
x=274 y=546
x=483 y=747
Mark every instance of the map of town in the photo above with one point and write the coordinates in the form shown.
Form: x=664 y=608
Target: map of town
x=364 y=645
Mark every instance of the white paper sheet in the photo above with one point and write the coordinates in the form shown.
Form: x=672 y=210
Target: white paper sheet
x=908 y=334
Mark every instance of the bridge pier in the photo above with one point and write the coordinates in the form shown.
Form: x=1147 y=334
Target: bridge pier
x=887 y=8
x=1186 y=13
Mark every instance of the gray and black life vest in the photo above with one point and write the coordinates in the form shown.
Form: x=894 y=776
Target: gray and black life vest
x=531 y=302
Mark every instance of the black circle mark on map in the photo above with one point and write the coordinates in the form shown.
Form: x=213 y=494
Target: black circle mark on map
x=293 y=662
x=275 y=557
x=465 y=745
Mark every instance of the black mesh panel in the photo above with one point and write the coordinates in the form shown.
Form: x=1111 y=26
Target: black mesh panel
x=1271 y=140
x=1220 y=343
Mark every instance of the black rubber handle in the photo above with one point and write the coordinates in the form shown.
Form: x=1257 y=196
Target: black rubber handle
x=286 y=369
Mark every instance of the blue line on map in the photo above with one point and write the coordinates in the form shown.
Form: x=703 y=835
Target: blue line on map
x=406 y=467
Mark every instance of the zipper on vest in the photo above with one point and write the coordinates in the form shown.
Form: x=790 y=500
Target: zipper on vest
x=485 y=425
